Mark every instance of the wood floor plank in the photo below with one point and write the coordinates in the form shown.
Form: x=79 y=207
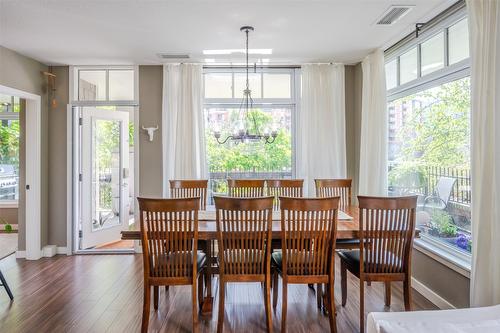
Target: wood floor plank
x=103 y=293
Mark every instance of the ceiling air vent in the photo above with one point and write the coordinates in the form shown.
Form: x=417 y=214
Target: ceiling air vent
x=169 y=56
x=393 y=14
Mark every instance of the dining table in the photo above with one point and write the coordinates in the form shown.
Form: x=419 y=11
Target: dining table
x=347 y=229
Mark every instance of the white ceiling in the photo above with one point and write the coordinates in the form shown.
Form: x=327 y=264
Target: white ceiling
x=80 y=32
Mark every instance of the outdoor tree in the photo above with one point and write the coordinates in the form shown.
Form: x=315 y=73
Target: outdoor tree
x=435 y=132
x=250 y=156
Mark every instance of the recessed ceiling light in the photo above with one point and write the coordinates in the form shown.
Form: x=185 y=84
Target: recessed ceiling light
x=242 y=51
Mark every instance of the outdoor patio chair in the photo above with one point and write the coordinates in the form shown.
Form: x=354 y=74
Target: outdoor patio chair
x=441 y=196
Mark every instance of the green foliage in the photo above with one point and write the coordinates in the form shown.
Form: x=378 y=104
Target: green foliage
x=442 y=223
x=9 y=143
x=250 y=156
x=438 y=132
x=435 y=133
x=407 y=175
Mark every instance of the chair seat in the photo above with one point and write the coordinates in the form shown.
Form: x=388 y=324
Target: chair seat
x=352 y=259
x=178 y=257
x=277 y=261
x=244 y=261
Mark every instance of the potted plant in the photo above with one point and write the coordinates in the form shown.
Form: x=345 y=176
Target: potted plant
x=7 y=227
x=442 y=226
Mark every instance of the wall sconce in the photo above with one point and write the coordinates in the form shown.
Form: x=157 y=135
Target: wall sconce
x=151 y=131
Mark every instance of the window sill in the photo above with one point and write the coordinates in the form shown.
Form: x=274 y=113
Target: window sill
x=9 y=204
x=453 y=259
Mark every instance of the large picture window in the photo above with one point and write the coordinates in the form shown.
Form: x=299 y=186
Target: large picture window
x=429 y=133
x=273 y=110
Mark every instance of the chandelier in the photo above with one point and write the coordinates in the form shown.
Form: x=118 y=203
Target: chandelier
x=243 y=134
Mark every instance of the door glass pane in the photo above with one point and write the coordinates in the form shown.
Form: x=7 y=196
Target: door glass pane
x=458 y=42
x=277 y=86
x=121 y=85
x=408 y=66
x=92 y=85
x=9 y=159
x=391 y=74
x=218 y=85
x=240 y=84
x=432 y=54
x=105 y=173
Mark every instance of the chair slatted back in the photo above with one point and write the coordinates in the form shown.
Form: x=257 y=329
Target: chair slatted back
x=245 y=188
x=309 y=230
x=190 y=188
x=169 y=229
x=386 y=228
x=335 y=188
x=244 y=227
x=284 y=188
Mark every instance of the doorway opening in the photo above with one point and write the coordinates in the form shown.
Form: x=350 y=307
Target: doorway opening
x=11 y=108
x=105 y=159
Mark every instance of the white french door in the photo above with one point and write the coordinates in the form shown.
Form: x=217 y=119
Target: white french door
x=104 y=176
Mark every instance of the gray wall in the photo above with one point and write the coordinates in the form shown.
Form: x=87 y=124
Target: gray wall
x=23 y=73
x=150 y=100
x=353 y=78
x=447 y=283
x=57 y=156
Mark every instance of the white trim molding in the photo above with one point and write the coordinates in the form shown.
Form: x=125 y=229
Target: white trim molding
x=33 y=171
x=47 y=251
x=431 y=295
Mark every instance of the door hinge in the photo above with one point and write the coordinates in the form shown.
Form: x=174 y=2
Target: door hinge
x=80 y=234
x=80 y=177
x=80 y=121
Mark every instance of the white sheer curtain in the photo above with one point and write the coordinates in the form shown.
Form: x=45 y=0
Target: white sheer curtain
x=373 y=142
x=321 y=151
x=183 y=124
x=484 y=31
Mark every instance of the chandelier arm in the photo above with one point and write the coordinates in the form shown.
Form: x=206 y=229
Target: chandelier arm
x=225 y=140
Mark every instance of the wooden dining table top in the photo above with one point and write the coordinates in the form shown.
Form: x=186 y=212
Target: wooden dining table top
x=347 y=226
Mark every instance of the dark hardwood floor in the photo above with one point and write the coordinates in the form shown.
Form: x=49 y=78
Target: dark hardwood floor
x=103 y=293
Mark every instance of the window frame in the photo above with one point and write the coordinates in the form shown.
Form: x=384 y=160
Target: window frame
x=74 y=86
x=456 y=259
x=293 y=102
x=236 y=99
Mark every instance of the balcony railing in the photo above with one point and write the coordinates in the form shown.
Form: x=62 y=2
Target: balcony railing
x=218 y=184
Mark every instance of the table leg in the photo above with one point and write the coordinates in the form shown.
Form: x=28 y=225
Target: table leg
x=208 y=301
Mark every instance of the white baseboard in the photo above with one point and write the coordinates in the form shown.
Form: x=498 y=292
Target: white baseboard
x=47 y=251
x=62 y=250
x=431 y=295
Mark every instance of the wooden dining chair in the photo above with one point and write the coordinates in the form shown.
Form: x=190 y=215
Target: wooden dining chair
x=188 y=188
x=245 y=188
x=244 y=227
x=386 y=231
x=309 y=230
x=335 y=188
x=284 y=188
x=169 y=231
